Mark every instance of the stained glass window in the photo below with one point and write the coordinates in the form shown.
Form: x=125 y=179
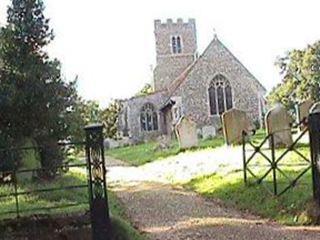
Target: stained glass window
x=220 y=95
x=148 y=118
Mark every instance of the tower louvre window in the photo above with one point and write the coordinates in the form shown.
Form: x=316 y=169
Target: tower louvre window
x=220 y=95
x=179 y=47
x=176 y=44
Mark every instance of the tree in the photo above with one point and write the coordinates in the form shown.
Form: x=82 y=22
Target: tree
x=300 y=71
x=147 y=89
x=110 y=117
x=84 y=113
x=34 y=99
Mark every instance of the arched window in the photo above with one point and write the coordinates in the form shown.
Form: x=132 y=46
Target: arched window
x=148 y=118
x=174 y=45
x=179 y=47
x=220 y=95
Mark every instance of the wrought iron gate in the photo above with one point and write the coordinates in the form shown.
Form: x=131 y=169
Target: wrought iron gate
x=100 y=220
x=96 y=181
x=271 y=162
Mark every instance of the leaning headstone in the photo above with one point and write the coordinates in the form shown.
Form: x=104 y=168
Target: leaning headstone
x=124 y=142
x=234 y=122
x=315 y=108
x=278 y=123
x=208 y=132
x=163 y=143
x=111 y=143
x=186 y=131
x=303 y=110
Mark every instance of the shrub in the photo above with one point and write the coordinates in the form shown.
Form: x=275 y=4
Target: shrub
x=51 y=156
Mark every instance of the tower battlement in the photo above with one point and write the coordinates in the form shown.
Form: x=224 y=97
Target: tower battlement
x=170 y=23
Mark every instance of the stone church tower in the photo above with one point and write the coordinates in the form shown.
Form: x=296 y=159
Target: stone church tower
x=176 y=49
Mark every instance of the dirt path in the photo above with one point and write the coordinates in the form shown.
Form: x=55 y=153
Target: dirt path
x=167 y=213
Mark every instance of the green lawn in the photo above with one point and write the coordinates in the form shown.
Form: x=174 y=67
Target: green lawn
x=293 y=207
x=259 y=136
x=58 y=198
x=143 y=153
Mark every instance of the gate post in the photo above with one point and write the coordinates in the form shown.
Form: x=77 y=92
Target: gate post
x=314 y=132
x=244 y=157
x=99 y=209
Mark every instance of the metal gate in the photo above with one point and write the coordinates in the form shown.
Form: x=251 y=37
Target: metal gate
x=99 y=209
x=96 y=181
x=263 y=162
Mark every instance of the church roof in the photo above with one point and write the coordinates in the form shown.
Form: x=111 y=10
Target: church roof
x=146 y=95
x=180 y=79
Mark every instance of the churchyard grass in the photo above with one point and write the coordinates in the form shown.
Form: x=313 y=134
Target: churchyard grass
x=259 y=136
x=70 y=196
x=148 y=152
x=291 y=208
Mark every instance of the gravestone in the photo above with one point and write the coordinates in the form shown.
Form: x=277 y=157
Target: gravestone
x=163 y=142
x=303 y=110
x=110 y=143
x=234 y=122
x=125 y=142
x=208 y=132
x=278 y=123
x=186 y=131
x=315 y=108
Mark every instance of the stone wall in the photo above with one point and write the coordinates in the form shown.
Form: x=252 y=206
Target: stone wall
x=132 y=108
x=217 y=59
x=170 y=65
x=169 y=68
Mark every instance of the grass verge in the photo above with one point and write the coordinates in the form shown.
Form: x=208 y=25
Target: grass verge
x=148 y=152
x=32 y=203
x=294 y=207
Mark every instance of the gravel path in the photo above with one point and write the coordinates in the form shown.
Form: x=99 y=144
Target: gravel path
x=165 y=212
x=180 y=168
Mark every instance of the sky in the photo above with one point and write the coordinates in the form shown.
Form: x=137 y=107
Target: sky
x=110 y=46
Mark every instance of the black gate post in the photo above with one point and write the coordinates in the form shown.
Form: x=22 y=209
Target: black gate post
x=314 y=132
x=100 y=219
x=244 y=157
x=274 y=165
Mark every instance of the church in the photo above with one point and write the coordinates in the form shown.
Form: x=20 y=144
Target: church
x=200 y=87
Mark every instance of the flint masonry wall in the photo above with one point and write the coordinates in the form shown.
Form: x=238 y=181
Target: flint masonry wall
x=217 y=59
x=169 y=65
x=133 y=110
